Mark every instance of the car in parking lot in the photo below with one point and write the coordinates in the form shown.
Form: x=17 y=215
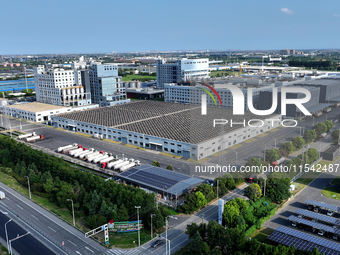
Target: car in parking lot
x=321 y=232
x=316 y=209
x=157 y=243
x=330 y=213
x=310 y=207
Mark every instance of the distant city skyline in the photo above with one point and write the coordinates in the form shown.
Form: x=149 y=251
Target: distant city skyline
x=103 y=26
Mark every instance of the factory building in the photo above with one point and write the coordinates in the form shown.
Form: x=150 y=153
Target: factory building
x=178 y=129
x=173 y=71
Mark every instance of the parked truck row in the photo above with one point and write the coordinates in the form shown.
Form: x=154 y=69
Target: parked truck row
x=107 y=161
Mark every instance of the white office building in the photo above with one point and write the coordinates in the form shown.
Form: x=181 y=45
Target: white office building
x=172 y=71
x=59 y=86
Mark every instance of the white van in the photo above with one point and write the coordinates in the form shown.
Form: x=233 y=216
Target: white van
x=2 y=195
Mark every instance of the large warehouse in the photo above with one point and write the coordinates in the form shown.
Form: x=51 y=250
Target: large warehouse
x=168 y=127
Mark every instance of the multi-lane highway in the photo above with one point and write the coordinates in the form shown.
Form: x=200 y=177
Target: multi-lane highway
x=59 y=236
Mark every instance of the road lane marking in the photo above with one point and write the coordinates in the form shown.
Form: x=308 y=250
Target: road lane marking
x=20 y=207
x=34 y=217
x=78 y=252
x=89 y=249
x=72 y=243
x=51 y=229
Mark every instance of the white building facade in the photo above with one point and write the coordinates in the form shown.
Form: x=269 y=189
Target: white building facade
x=172 y=71
x=60 y=87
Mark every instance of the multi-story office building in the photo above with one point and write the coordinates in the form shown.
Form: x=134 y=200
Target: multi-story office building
x=287 y=52
x=105 y=84
x=173 y=71
x=60 y=87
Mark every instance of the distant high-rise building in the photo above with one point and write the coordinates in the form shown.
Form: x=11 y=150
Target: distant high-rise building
x=173 y=71
x=287 y=52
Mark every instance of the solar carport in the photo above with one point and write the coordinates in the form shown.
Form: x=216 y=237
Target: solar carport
x=160 y=180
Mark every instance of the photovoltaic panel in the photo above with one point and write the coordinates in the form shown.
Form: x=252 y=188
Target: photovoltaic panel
x=318 y=216
x=314 y=224
x=323 y=205
x=299 y=244
x=309 y=238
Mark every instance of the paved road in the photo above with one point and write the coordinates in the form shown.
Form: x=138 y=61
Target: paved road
x=26 y=245
x=48 y=228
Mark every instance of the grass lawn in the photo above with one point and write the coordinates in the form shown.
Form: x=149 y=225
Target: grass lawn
x=129 y=240
x=136 y=77
x=262 y=234
x=220 y=153
x=61 y=212
x=3 y=250
x=273 y=130
x=220 y=73
x=262 y=135
x=331 y=192
x=250 y=140
x=336 y=181
x=170 y=155
x=111 y=141
x=235 y=146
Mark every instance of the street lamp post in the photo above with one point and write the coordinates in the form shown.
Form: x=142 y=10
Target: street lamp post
x=275 y=143
x=217 y=188
x=236 y=158
x=166 y=235
x=29 y=187
x=138 y=207
x=10 y=241
x=74 y=223
x=151 y=225
x=6 y=232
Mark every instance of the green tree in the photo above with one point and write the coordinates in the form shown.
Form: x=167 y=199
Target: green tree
x=169 y=167
x=207 y=191
x=298 y=142
x=320 y=128
x=309 y=136
x=229 y=214
x=253 y=192
x=277 y=189
x=201 y=200
x=272 y=155
x=287 y=147
x=156 y=163
x=335 y=136
x=329 y=125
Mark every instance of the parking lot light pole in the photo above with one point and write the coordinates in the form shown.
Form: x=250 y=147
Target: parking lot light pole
x=138 y=207
x=29 y=187
x=6 y=232
x=74 y=222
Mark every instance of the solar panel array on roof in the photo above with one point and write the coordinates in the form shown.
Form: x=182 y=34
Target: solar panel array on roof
x=314 y=224
x=159 y=179
x=318 y=216
x=309 y=238
x=323 y=205
x=299 y=244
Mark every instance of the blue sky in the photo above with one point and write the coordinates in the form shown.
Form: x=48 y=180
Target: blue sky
x=83 y=26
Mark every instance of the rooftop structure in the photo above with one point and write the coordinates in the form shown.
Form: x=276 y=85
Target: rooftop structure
x=160 y=180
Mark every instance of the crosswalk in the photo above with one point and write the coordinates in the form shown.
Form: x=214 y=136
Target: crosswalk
x=125 y=252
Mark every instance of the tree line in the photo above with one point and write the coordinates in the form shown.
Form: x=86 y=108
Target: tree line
x=58 y=180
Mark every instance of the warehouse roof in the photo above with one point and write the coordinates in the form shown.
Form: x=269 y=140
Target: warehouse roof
x=323 y=82
x=166 y=120
x=36 y=107
x=160 y=180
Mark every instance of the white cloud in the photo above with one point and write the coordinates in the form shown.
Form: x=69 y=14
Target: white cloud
x=287 y=11
x=336 y=15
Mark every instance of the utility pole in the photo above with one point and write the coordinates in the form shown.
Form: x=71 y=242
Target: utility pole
x=217 y=188
x=6 y=233
x=166 y=236
x=10 y=241
x=29 y=188
x=74 y=223
x=138 y=207
x=151 y=225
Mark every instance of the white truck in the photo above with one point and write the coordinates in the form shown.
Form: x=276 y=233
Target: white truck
x=60 y=149
x=2 y=195
x=128 y=166
x=72 y=152
x=111 y=164
x=27 y=135
x=84 y=153
x=96 y=160
x=91 y=158
x=95 y=153
x=125 y=162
